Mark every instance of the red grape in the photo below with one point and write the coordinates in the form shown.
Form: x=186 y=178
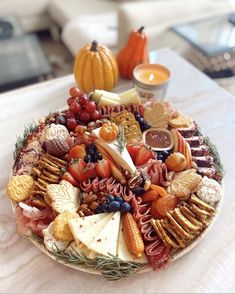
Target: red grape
x=83 y=99
x=74 y=92
x=95 y=115
x=70 y=100
x=71 y=123
x=90 y=107
x=84 y=116
x=75 y=107
x=69 y=114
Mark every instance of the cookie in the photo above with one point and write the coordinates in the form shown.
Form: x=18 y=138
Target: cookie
x=20 y=187
x=209 y=190
x=51 y=243
x=184 y=183
x=63 y=196
x=180 y=121
x=157 y=115
x=61 y=229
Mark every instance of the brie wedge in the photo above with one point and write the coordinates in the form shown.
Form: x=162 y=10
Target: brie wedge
x=51 y=243
x=123 y=158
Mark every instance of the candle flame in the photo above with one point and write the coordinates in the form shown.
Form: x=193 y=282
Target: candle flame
x=151 y=77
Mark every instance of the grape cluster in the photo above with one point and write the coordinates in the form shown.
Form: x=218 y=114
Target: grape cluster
x=81 y=109
x=92 y=154
x=114 y=204
x=142 y=123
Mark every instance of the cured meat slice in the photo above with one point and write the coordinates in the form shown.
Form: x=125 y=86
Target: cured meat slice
x=210 y=172
x=188 y=132
x=160 y=260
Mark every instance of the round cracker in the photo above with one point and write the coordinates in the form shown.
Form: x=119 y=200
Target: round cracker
x=61 y=229
x=20 y=187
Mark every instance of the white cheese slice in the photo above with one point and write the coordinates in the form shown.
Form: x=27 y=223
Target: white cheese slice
x=86 y=233
x=121 y=158
x=105 y=241
x=51 y=243
x=122 y=251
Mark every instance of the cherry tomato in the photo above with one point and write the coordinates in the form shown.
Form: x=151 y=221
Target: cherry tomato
x=90 y=107
x=150 y=195
x=74 y=92
x=161 y=205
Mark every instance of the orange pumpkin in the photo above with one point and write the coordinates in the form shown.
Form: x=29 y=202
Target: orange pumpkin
x=133 y=54
x=108 y=132
x=95 y=67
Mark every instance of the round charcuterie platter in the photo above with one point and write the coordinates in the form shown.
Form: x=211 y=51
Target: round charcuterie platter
x=114 y=186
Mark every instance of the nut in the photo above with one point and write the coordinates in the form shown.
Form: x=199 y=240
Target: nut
x=89 y=198
x=85 y=210
x=93 y=205
x=147 y=185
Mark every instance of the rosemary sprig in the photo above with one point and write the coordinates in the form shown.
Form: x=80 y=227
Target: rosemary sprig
x=111 y=267
x=214 y=153
x=22 y=140
x=121 y=140
x=35 y=237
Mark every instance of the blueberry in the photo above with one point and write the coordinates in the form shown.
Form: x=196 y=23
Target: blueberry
x=125 y=207
x=119 y=199
x=138 y=191
x=110 y=198
x=91 y=148
x=105 y=208
x=98 y=209
x=145 y=126
x=61 y=120
x=98 y=156
x=162 y=155
x=137 y=115
x=88 y=158
x=114 y=206
x=141 y=120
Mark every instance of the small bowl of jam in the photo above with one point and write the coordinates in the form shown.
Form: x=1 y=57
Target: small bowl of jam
x=158 y=139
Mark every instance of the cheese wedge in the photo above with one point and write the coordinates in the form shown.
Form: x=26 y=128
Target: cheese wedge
x=81 y=225
x=122 y=251
x=123 y=158
x=105 y=241
x=86 y=234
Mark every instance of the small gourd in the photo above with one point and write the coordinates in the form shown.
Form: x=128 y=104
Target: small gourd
x=108 y=132
x=133 y=54
x=95 y=67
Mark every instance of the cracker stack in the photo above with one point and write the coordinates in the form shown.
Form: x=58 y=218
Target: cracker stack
x=183 y=223
x=47 y=172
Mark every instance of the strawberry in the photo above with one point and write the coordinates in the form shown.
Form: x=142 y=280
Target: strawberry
x=69 y=178
x=90 y=171
x=143 y=155
x=133 y=147
x=76 y=169
x=103 y=168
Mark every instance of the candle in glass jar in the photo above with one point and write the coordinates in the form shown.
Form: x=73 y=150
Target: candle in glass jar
x=153 y=76
x=151 y=81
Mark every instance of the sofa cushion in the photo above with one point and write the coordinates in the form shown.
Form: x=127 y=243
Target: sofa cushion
x=63 y=11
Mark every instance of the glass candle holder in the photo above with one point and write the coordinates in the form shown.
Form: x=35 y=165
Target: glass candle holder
x=151 y=81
